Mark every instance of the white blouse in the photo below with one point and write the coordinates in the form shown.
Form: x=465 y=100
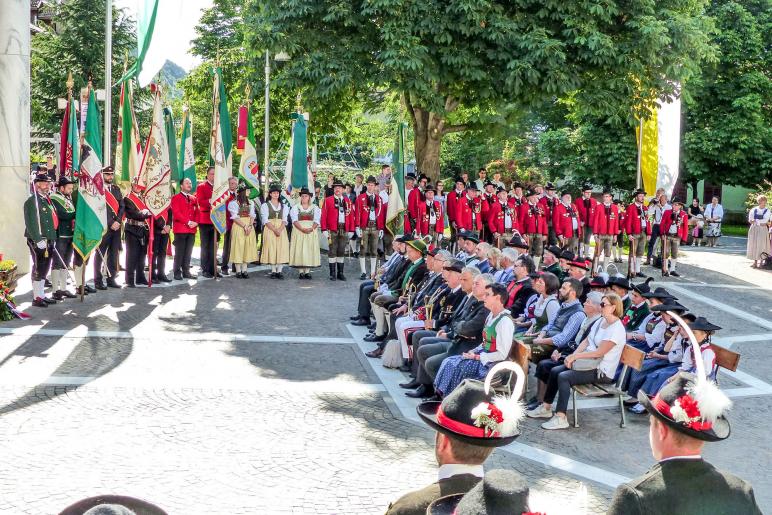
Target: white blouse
x=264 y=212
x=763 y=214
x=295 y=213
x=505 y=329
x=233 y=210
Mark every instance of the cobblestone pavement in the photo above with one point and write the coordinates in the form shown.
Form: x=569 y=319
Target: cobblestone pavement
x=254 y=397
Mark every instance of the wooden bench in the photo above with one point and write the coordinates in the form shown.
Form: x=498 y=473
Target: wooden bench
x=520 y=354
x=631 y=358
x=725 y=358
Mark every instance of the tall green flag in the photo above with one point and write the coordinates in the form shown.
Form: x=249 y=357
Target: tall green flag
x=144 y=69
x=91 y=215
x=187 y=161
x=171 y=141
x=221 y=152
x=395 y=214
x=127 y=146
x=249 y=170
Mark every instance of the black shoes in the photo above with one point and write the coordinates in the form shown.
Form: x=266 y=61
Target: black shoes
x=178 y=277
x=411 y=385
x=57 y=295
x=224 y=271
x=640 y=274
x=49 y=300
x=207 y=275
x=112 y=284
x=332 y=271
x=421 y=392
x=340 y=275
x=188 y=275
x=363 y=276
x=89 y=289
x=361 y=322
x=40 y=303
x=375 y=338
x=100 y=286
x=675 y=274
x=66 y=294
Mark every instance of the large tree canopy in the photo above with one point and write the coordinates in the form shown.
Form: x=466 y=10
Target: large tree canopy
x=461 y=64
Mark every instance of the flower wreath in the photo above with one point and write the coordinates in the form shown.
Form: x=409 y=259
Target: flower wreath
x=489 y=417
x=685 y=410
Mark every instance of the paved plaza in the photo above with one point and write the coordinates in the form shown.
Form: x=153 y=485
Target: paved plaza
x=254 y=396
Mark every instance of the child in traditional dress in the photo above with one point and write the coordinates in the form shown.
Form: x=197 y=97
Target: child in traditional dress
x=275 y=241
x=304 y=247
x=243 y=243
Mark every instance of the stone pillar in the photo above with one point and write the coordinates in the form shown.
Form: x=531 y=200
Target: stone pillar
x=14 y=127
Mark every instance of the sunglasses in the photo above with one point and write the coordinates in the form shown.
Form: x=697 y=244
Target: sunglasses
x=603 y=304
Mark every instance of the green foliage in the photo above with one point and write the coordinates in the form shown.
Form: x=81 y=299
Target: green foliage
x=728 y=122
x=78 y=46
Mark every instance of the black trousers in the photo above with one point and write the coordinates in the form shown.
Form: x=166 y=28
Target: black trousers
x=226 y=251
x=653 y=240
x=160 y=242
x=208 y=248
x=110 y=248
x=65 y=251
x=366 y=289
x=183 y=249
x=136 y=252
x=41 y=260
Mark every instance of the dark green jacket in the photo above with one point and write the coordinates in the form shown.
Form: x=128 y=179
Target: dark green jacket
x=44 y=211
x=554 y=268
x=636 y=316
x=685 y=487
x=65 y=210
x=415 y=503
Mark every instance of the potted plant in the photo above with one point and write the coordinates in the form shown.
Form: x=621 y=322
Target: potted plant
x=8 y=273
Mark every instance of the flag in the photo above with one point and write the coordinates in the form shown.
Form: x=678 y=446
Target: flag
x=297 y=159
x=127 y=145
x=91 y=215
x=149 y=61
x=187 y=161
x=171 y=142
x=396 y=209
x=220 y=152
x=248 y=167
x=69 y=142
x=660 y=147
x=155 y=169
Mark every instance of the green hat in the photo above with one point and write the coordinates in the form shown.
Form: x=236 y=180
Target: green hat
x=418 y=245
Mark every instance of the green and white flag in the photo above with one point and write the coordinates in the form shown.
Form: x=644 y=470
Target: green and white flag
x=128 y=152
x=150 y=58
x=220 y=152
x=249 y=170
x=171 y=142
x=155 y=169
x=91 y=215
x=395 y=214
x=187 y=161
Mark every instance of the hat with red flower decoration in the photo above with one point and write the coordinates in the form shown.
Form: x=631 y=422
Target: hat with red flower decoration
x=501 y=492
x=691 y=404
x=472 y=414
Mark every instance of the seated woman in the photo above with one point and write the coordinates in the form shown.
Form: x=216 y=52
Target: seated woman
x=541 y=310
x=702 y=330
x=496 y=343
x=600 y=353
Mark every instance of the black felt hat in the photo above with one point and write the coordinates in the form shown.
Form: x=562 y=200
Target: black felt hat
x=305 y=191
x=337 y=182
x=643 y=288
x=659 y=293
x=620 y=281
x=599 y=281
x=472 y=186
x=472 y=236
x=587 y=187
x=455 y=265
x=554 y=250
x=639 y=191
x=702 y=324
x=274 y=187
x=584 y=264
x=501 y=492
x=670 y=305
x=567 y=255
x=517 y=242
x=550 y=187
x=40 y=177
x=431 y=188
x=64 y=181
x=453 y=416
x=679 y=406
x=458 y=178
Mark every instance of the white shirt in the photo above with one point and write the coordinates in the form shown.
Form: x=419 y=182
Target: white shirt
x=233 y=210
x=432 y=214
x=505 y=329
x=614 y=333
x=296 y=210
x=384 y=197
x=456 y=469
x=264 y=212
x=714 y=212
x=341 y=211
x=764 y=214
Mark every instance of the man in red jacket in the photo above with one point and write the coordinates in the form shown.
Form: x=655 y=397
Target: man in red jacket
x=454 y=197
x=411 y=194
x=338 y=224
x=548 y=202
x=606 y=227
x=533 y=221
x=565 y=221
x=430 y=217
x=370 y=218
x=209 y=235
x=638 y=229
x=502 y=220
x=585 y=206
x=487 y=199
x=184 y=224
x=469 y=214
x=675 y=229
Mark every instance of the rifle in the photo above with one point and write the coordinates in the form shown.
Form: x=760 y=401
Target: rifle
x=631 y=258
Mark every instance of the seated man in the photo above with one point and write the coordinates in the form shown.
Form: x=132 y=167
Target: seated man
x=639 y=308
x=560 y=333
x=682 y=482
x=464 y=334
x=650 y=333
x=392 y=266
x=495 y=346
x=543 y=368
x=481 y=252
x=459 y=448
x=550 y=262
x=507 y=265
x=520 y=289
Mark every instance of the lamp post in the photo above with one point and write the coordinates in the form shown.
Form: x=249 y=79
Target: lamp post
x=280 y=57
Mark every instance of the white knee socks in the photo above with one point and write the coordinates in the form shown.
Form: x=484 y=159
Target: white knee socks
x=362 y=264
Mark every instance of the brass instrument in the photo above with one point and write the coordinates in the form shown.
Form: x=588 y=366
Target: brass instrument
x=410 y=292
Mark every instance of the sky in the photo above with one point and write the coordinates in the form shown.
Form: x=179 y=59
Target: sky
x=174 y=39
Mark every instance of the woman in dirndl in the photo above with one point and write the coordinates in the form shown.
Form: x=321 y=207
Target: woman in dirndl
x=304 y=248
x=495 y=347
x=275 y=242
x=243 y=243
x=759 y=219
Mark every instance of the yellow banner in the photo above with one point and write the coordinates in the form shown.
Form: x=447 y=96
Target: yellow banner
x=649 y=154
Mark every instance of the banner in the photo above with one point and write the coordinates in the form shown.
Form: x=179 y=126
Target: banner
x=220 y=152
x=69 y=140
x=249 y=170
x=155 y=169
x=145 y=68
x=128 y=151
x=91 y=213
x=660 y=148
x=187 y=161
x=396 y=209
x=171 y=142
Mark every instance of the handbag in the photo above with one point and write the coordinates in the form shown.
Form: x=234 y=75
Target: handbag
x=583 y=364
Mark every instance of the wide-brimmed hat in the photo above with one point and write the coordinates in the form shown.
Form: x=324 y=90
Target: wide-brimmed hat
x=371 y=179
x=472 y=236
x=677 y=201
x=501 y=492
x=472 y=414
x=670 y=305
x=64 y=181
x=639 y=191
x=643 y=288
x=550 y=187
x=305 y=191
x=418 y=245
x=431 y=188
x=586 y=187
x=567 y=255
x=455 y=265
x=472 y=186
x=516 y=185
x=274 y=187
x=337 y=182
x=458 y=178
x=599 y=281
x=530 y=192
x=517 y=242
x=584 y=264
x=702 y=324
x=40 y=177
x=554 y=250
x=620 y=280
x=404 y=238
x=659 y=293
x=410 y=176
x=488 y=183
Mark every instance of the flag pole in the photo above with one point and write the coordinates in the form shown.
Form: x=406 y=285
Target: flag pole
x=108 y=81
x=638 y=174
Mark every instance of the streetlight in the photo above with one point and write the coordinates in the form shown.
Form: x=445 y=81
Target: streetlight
x=280 y=57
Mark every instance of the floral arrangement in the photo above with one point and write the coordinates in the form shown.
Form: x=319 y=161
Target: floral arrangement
x=5 y=298
x=7 y=264
x=686 y=411
x=489 y=417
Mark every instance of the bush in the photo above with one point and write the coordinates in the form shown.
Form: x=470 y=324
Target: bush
x=764 y=189
x=7 y=264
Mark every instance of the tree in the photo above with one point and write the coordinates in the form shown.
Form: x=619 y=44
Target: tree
x=77 y=46
x=461 y=64
x=728 y=115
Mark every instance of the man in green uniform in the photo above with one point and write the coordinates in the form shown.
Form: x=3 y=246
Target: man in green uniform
x=551 y=262
x=65 y=211
x=40 y=222
x=682 y=418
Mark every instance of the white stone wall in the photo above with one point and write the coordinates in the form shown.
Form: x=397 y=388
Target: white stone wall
x=14 y=127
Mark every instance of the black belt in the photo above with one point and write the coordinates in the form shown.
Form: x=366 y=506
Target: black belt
x=142 y=223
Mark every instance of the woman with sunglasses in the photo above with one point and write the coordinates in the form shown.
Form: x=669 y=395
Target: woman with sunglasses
x=599 y=354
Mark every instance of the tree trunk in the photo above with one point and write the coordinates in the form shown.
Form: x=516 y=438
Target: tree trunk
x=428 y=130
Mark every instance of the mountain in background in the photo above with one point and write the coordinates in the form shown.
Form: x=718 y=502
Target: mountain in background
x=169 y=75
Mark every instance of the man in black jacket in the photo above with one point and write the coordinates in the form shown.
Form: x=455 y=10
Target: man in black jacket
x=463 y=334
x=520 y=289
x=110 y=247
x=395 y=265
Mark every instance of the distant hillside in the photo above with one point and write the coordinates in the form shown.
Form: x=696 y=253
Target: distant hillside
x=169 y=75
